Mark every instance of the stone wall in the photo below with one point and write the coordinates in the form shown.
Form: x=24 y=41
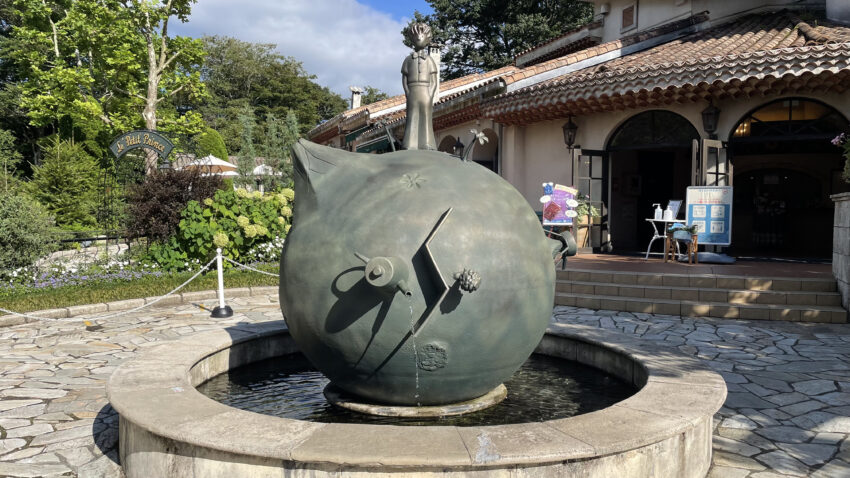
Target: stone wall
x=841 y=246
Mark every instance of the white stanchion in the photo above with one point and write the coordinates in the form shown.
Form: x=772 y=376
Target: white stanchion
x=221 y=311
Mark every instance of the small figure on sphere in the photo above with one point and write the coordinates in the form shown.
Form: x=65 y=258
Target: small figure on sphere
x=419 y=79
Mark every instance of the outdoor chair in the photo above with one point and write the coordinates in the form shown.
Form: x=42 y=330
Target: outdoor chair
x=674 y=236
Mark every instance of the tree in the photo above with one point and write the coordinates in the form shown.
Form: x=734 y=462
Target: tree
x=240 y=74
x=277 y=150
x=482 y=35
x=66 y=183
x=9 y=157
x=247 y=155
x=105 y=66
x=210 y=142
x=372 y=95
x=24 y=232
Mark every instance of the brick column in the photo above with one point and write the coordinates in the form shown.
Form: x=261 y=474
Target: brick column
x=841 y=246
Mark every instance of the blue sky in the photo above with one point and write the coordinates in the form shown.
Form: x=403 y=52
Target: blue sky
x=399 y=9
x=343 y=42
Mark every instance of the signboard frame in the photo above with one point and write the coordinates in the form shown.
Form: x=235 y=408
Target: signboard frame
x=141 y=138
x=711 y=206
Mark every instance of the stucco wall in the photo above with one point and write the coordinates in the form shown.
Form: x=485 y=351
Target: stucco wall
x=652 y=13
x=536 y=153
x=841 y=246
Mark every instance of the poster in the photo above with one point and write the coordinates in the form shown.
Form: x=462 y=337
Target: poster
x=710 y=210
x=558 y=204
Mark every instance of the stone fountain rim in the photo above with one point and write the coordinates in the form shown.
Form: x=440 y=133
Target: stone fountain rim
x=156 y=392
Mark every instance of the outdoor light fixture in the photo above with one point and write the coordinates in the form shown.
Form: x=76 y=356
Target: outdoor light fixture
x=458 y=148
x=570 y=130
x=710 y=117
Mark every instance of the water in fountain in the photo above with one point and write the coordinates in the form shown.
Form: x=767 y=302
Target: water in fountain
x=545 y=388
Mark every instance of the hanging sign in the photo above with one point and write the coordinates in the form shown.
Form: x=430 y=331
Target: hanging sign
x=142 y=138
x=558 y=204
x=710 y=210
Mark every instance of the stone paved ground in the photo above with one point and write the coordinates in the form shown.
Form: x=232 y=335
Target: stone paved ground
x=788 y=408
x=788 y=411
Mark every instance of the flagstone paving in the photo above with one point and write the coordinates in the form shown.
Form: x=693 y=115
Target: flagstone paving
x=787 y=414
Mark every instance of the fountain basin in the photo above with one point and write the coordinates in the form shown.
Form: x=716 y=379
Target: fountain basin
x=167 y=428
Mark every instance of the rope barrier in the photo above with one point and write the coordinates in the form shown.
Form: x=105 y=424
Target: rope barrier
x=117 y=314
x=249 y=267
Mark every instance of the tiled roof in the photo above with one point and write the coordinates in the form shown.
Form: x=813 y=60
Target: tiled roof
x=352 y=118
x=755 y=47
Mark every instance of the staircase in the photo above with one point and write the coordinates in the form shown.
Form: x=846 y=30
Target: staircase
x=703 y=295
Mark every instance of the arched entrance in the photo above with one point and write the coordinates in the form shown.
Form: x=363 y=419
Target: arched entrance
x=487 y=154
x=785 y=170
x=447 y=145
x=650 y=163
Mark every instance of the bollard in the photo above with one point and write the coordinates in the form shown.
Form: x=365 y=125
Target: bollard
x=221 y=311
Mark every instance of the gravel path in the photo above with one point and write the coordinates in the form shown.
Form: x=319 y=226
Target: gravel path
x=788 y=411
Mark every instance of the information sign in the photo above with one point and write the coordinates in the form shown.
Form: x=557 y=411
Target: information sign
x=558 y=204
x=710 y=210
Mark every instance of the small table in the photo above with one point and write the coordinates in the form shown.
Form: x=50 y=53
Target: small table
x=655 y=229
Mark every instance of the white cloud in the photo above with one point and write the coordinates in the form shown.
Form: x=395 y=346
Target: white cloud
x=342 y=42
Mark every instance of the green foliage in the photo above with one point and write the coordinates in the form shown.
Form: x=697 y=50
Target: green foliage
x=99 y=63
x=9 y=160
x=481 y=35
x=210 y=142
x=24 y=231
x=236 y=221
x=27 y=300
x=241 y=75
x=277 y=150
x=155 y=204
x=67 y=184
x=372 y=95
x=585 y=207
x=247 y=154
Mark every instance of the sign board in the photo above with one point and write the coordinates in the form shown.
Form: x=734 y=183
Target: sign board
x=142 y=138
x=710 y=209
x=558 y=204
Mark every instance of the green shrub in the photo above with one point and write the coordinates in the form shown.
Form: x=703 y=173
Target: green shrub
x=24 y=232
x=66 y=183
x=236 y=221
x=154 y=206
x=210 y=142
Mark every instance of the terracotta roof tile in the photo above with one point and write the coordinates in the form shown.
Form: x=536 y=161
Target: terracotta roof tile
x=758 y=39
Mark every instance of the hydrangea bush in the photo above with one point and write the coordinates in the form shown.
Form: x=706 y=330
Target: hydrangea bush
x=246 y=225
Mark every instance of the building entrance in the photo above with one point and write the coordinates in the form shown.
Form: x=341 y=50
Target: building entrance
x=785 y=170
x=650 y=164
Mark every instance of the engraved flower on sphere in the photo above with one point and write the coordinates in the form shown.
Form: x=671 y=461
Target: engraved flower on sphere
x=411 y=181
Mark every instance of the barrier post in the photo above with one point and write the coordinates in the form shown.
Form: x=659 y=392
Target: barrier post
x=221 y=311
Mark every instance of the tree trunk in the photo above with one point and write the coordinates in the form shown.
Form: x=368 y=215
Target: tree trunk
x=149 y=113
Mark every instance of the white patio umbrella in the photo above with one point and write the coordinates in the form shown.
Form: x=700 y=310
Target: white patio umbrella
x=211 y=165
x=265 y=170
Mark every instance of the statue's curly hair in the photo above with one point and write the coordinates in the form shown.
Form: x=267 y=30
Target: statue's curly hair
x=418 y=28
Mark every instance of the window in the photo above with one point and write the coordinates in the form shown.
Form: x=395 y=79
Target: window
x=629 y=17
x=788 y=119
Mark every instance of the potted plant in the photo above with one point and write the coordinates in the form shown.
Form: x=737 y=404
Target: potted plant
x=843 y=142
x=585 y=214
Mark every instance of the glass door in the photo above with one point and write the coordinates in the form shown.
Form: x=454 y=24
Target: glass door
x=715 y=165
x=591 y=178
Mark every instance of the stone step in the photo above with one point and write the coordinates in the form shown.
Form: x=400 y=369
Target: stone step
x=701 y=294
x=703 y=281
x=690 y=308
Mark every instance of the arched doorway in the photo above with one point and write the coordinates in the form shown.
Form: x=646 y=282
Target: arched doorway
x=487 y=154
x=650 y=164
x=447 y=145
x=785 y=170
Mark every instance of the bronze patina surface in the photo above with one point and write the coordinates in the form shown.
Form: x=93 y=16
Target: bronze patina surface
x=413 y=278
